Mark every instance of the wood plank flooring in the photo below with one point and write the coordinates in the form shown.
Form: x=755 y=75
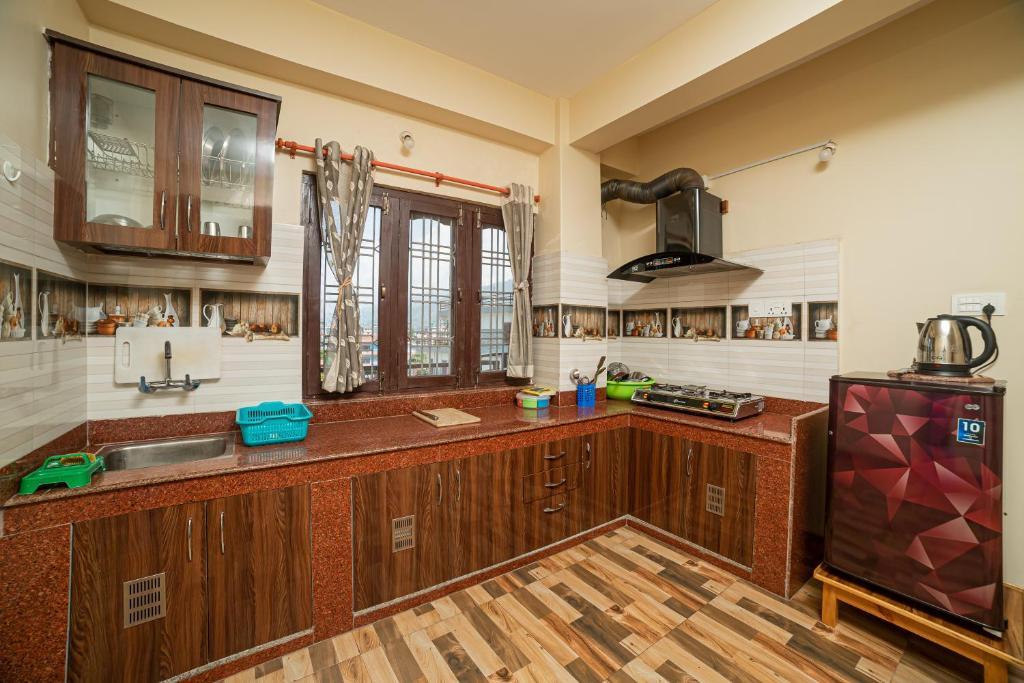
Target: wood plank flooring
x=622 y=607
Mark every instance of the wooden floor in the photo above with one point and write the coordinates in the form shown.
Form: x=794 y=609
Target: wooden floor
x=622 y=607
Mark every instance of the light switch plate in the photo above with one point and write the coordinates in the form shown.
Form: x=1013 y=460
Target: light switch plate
x=971 y=304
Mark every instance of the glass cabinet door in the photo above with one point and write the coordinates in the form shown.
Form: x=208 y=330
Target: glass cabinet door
x=226 y=148
x=114 y=151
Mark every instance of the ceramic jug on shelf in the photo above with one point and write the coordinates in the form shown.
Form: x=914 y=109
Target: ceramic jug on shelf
x=567 y=326
x=18 y=330
x=169 y=311
x=677 y=327
x=44 y=313
x=214 y=318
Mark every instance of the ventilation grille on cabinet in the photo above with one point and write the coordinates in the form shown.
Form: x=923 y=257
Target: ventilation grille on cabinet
x=144 y=600
x=403 y=533
x=716 y=500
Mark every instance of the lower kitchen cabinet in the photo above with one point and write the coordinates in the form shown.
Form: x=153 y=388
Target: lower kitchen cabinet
x=720 y=504
x=138 y=610
x=602 y=494
x=657 y=479
x=400 y=532
x=483 y=510
x=160 y=592
x=259 y=580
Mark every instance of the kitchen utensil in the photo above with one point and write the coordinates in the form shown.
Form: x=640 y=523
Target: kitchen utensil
x=213 y=145
x=73 y=470
x=214 y=315
x=273 y=422
x=44 y=313
x=116 y=219
x=616 y=367
x=140 y=320
x=169 y=311
x=600 y=367
x=245 y=232
x=944 y=346
x=155 y=315
x=623 y=390
x=742 y=326
x=821 y=327
x=237 y=148
x=210 y=229
x=106 y=327
x=566 y=326
x=574 y=375
x=446 y=417
x=420 y=413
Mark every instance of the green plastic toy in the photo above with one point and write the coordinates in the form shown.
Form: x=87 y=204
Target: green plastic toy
x=72 y=470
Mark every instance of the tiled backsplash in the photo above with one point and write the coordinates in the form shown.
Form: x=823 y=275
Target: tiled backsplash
x=797 y=368
x=48 y=386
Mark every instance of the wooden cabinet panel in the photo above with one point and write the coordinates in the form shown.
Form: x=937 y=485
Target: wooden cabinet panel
x=485 y=491
x=260 y=585
x=730 y=533
x=384 y=572
x=551 y=481
x=543 y=522
x=110 y=551
x=602 y=494
x=657 y=467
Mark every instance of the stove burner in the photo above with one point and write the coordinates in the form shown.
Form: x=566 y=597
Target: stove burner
x=697 y=398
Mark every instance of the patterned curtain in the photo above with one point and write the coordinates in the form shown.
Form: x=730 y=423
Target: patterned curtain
x=344 y=191
x=517 y=211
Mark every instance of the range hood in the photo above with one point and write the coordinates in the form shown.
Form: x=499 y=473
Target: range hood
x=689 y=227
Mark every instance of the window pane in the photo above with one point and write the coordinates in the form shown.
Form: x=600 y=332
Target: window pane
x=365 y=283
x=496 y=288
x=431 y=271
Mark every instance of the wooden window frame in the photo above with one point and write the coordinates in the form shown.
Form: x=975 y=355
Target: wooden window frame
x=393 y=312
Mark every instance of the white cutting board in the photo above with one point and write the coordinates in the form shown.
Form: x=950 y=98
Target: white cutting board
x=139 y=352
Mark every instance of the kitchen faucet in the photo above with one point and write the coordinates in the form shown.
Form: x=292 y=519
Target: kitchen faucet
x=188 y=384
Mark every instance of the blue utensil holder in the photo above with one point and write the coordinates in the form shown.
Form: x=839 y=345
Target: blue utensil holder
x=586 y=395
x=273 y=422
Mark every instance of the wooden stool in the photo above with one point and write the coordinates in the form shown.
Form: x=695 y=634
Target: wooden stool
x=994 y=655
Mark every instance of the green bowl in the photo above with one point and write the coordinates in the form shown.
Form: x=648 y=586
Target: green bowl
x=623 y=391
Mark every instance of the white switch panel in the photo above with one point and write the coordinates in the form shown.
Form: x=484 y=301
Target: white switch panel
x=770 y=309
x=971 y=304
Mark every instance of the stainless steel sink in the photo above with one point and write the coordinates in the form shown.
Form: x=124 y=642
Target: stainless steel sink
x=133 y=456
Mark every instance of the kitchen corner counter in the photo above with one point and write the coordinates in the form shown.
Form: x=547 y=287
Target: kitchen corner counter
x=371 y=440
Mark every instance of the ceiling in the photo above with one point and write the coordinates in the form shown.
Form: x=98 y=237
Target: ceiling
x=555 y=47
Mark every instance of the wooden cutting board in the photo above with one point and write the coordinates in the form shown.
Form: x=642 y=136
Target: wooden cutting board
x=446 y=417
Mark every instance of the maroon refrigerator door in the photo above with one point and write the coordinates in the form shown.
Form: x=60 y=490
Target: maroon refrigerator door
x=915 y=495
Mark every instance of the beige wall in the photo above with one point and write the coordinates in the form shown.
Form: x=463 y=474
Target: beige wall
x=926 y=193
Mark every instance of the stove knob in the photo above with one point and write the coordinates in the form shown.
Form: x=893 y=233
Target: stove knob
x=714 y=406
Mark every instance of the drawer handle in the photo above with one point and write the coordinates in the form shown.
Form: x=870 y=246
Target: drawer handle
x=439 y=489
x=554 y=484
x=554 y=457
x=188 y=213
x=188 y=534
x=550 y=510
x=221 y=533
x=458 y=485
x=163 y=209
x=689 y=458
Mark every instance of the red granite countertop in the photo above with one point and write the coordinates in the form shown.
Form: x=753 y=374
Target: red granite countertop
x=372 y=436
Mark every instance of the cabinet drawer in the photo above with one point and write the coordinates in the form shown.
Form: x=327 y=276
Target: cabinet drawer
x=551 y=482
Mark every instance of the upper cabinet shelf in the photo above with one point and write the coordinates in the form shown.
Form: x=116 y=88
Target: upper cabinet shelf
x=157 y=161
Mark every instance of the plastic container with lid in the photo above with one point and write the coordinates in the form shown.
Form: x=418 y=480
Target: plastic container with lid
x=531 y=401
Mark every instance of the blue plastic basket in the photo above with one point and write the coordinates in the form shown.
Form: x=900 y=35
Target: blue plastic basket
x=586 y=395
x=273 y=422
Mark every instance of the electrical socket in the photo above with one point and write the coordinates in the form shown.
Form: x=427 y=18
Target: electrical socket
x=770 y=309
x=971 y=304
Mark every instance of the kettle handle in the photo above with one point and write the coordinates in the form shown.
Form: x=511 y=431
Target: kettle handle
x=988 y=335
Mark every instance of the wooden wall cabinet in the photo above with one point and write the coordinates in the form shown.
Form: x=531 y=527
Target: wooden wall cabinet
x=224 y=592
x=147 y=158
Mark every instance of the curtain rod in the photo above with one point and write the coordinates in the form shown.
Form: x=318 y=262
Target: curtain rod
x=437 y=176
x=829 y=145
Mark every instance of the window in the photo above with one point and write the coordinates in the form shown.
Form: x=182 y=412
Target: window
x=434 y=287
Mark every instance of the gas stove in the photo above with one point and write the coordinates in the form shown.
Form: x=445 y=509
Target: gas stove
x=693 y=398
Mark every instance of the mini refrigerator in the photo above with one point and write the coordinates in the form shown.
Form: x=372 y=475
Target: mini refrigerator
x=914 y=493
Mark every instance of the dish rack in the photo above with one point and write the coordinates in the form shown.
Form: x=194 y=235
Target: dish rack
x=120 y=155
x=273 y=422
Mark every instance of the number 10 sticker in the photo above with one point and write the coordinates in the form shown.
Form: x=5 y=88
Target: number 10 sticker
x=970 y=431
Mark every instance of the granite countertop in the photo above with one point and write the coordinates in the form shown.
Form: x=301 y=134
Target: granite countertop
x=373 y=436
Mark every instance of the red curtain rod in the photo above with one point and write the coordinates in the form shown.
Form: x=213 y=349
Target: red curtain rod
x=438 y=177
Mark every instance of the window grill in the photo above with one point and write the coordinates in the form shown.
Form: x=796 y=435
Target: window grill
x=431 y=271
x=496 y=291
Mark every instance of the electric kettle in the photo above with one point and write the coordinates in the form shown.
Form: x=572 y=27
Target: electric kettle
x=944 y=346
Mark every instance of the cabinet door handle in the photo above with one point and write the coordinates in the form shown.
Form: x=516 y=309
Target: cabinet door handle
x=458 y=485
x=222 y=533
x=550 y=510
x=458 y=295
x=383 y=292
x=188 y=213
x=554 y=457
x=554 y=484
x=163 y=208
x=689 y=458
x=188 y=533
x=439 y=489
